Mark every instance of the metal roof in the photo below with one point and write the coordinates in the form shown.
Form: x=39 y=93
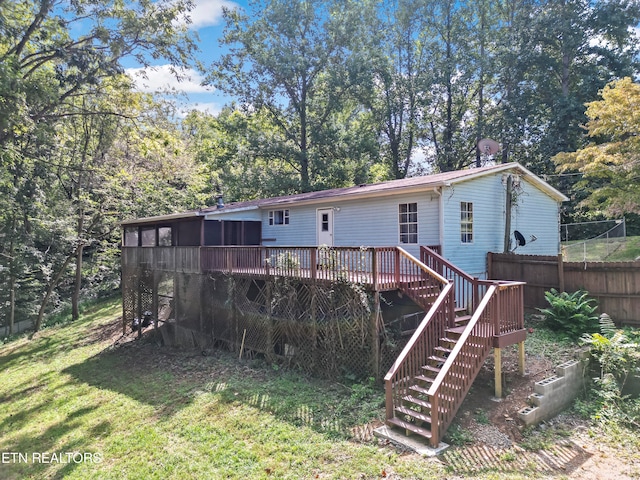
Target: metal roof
x=405 y=185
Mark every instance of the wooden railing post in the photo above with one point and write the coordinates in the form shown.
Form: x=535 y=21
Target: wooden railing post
x=497 y=311
x=314 y=262
x=435 y=422
x=228 y=261
x=374 y=268
x=267 y=261
x=476 y=293
x=397 y=267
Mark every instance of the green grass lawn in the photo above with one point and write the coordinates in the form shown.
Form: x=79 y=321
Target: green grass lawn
x=143 y=411
x=78 y=401
x=616 y=250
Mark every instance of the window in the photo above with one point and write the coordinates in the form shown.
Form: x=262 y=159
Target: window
x=279 y=217
x=148 y=237
x=325 y=222
x=466 y=222
x=131 y=236
x=164 y=237
x=408 y=221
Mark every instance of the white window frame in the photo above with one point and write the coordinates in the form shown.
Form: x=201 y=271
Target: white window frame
x=408 y=219
x=284 y=216
x=466 y=223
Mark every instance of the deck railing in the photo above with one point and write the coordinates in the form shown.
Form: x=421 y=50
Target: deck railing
x=469 y=290
x=499 y=312
x=384 y=268
x=413 y=357
x=462 y=365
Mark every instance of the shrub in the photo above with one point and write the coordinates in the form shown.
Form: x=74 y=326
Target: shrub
x=618 y=359
x=570 y=313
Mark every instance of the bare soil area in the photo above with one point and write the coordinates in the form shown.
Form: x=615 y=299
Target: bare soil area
x=497 y=440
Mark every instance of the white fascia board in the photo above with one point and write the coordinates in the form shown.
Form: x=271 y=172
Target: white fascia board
x=354 y=196
x=211 y=215
x=161 y=218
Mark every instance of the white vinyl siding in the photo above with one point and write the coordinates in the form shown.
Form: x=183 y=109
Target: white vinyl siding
x=534 y=213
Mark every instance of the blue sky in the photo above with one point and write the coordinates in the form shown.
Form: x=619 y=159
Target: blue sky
x=207 y=21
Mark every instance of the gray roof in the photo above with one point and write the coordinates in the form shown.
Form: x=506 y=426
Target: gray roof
x=427 y=182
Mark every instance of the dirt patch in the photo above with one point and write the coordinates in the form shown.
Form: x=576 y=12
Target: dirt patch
x=498 y=441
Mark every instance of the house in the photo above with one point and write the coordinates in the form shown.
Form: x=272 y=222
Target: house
x=461 y=212
x=320 y=279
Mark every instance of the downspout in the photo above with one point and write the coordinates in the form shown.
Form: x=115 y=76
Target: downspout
x=441 y=221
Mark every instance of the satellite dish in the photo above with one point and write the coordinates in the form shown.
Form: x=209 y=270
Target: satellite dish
x=520 y=241
x=488 y=146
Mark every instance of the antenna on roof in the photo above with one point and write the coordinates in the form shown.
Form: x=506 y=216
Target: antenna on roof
x=486 y=146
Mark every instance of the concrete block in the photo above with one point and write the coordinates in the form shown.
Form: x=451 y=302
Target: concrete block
x=554 y=394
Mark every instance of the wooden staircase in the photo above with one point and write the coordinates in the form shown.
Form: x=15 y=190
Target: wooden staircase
x=428 y=382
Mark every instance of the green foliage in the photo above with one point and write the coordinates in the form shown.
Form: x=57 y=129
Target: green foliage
x=456 y=435
x=608 y=164
x=618 y=360
x=570 y=313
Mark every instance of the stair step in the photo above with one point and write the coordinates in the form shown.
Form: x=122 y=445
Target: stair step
x=416 y=401
x=460 y=310
x=444 y=350
x=455 y=331
x=462 y=320
x=436 y=358
x=422 y=378
x=423 y=432
x=413 y=413
x=419 y=389
x=431 y=368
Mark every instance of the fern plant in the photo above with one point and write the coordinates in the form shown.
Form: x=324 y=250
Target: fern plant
x=619 y=360
x=570 y=313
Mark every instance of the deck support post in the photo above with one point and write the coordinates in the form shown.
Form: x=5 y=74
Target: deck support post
x=521 y=367
x=270 y=345
x=497 y=356
x=375 y=342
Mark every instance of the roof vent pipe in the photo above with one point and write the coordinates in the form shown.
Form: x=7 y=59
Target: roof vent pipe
x=219 y=201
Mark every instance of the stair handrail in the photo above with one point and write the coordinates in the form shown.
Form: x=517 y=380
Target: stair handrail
x=442 y=307
x=437 y=423
x=427 y=251
x=475 y=283
x=422 y=266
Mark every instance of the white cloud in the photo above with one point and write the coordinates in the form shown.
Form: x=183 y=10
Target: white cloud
x=208 y=12
x=163 y=78
x=211 y=108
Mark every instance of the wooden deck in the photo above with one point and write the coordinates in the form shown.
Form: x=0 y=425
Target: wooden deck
x=423 y=383
x=379 y=268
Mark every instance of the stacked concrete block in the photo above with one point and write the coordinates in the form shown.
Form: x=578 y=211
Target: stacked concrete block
x=555 y=393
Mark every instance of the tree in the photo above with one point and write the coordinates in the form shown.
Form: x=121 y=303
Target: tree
x=575 y=48
x=295 y=61
x=46 y=74
x=611 y=162
x=402 y=74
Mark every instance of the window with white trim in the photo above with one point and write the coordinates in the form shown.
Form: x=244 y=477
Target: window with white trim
x=279 y=217
x=408 y=222
x=466 y=222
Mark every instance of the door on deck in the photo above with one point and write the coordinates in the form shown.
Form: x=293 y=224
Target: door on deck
x=325 y=226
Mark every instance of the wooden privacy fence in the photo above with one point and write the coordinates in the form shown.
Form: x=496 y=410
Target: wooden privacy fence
x=616 y=285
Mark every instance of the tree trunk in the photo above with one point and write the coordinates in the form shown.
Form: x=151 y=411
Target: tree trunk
x=75 y=297
x=54 y=283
